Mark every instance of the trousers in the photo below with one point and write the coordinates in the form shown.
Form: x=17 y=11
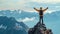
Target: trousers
x=41 y=19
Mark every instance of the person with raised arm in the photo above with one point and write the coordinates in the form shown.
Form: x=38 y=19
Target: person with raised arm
x=41 y=13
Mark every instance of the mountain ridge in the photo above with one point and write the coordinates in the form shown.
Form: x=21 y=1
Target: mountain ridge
x=9 y=25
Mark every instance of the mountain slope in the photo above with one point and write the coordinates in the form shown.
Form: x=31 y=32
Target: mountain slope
x=11 y=26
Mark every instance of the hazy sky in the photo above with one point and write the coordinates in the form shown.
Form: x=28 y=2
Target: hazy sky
x=29 y=4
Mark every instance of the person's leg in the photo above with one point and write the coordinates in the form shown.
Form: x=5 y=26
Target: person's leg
x=42 y=20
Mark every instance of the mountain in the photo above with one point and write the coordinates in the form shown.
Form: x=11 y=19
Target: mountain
x=52 y=20
x=22 y=14
x=17 y=13
x=55 y=16
x=9 y=25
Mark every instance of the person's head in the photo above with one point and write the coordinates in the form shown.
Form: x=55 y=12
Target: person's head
x=40 y=8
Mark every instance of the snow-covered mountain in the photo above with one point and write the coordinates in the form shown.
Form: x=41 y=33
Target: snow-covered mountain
x=23 y=14
x=9 y=25
x=17 y=13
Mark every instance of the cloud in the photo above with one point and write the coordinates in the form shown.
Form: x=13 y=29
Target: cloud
x=1 y=15
x=50 y=11
x=46 y=1
x=28 y=5
x=57 y=7
x=22 y=4
x=26 y=19
x=11 y=4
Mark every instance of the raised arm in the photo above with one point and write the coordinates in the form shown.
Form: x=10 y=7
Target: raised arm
x=36 y=9
x=45 y=9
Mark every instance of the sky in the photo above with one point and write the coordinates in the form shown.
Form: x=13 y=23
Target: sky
x=28 y=5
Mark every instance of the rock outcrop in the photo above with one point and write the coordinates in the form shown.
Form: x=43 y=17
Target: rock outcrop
x=39 y=29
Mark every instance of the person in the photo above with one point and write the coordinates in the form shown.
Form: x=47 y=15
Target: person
x=41 y=13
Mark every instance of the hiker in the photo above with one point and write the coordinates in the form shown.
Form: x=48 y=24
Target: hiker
x=41 y=13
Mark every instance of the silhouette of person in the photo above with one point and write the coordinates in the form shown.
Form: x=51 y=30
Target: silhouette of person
x=41 y=13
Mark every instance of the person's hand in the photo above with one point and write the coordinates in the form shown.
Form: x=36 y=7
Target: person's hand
x=34 y=7
x=47 y=7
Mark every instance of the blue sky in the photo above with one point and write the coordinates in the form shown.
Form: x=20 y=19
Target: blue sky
x=28 y=5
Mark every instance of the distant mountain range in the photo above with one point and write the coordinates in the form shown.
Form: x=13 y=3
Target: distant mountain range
x=17 y=13
x=9 y=25
x=22 y=14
